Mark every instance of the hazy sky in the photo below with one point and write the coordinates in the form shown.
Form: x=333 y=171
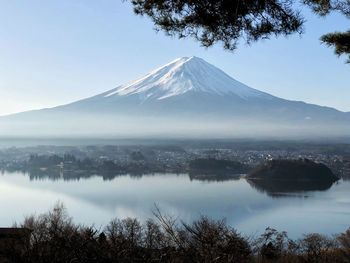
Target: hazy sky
x=54 y=52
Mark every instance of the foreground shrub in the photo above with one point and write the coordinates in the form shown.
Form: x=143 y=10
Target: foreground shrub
x=344 y=240
x=55 y=238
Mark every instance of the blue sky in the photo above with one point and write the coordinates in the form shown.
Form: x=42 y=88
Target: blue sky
x=55 y=52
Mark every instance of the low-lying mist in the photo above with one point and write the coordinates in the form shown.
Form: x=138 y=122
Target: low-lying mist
x=191 y=127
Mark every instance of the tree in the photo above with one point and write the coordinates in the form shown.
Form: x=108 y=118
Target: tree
x=339 y=40
x=229 y=21
x=344 y=240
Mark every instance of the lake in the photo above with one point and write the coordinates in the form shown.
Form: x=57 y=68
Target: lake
x=247 y=207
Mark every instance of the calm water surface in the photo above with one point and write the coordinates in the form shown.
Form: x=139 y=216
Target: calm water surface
x=97 y=201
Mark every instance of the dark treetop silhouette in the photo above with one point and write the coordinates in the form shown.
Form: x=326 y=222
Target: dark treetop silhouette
x=228 y=21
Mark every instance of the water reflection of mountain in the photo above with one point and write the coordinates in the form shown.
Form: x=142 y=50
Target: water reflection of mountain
x=280 y=188
x=274 y=188
x=76 y=175
x=346 y=176
x=217 y=177
x=279 y=177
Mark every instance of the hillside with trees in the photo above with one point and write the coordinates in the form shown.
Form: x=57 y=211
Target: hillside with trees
x=293 y=170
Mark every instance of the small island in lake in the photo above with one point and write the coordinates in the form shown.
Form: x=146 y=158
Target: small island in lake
x=293 y=170
x=282 y=176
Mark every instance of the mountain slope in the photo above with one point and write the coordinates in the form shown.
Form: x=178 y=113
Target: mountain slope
x=185 y=75
x=188 y=95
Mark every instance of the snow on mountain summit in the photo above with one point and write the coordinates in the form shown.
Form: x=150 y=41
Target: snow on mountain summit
x=186 y=97
x=184 y=75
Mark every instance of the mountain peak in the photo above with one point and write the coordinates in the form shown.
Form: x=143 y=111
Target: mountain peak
x=186 y=97
x=186 y=59
x=183 y=75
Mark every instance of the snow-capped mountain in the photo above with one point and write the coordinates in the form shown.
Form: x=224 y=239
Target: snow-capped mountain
x=183 y=75
x=185 y=96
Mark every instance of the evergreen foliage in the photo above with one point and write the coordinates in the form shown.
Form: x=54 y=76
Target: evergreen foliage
x=224 y=21
x=340 y=41
x=229 y=21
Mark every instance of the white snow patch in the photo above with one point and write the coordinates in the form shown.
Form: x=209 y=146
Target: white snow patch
x=183 y=75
